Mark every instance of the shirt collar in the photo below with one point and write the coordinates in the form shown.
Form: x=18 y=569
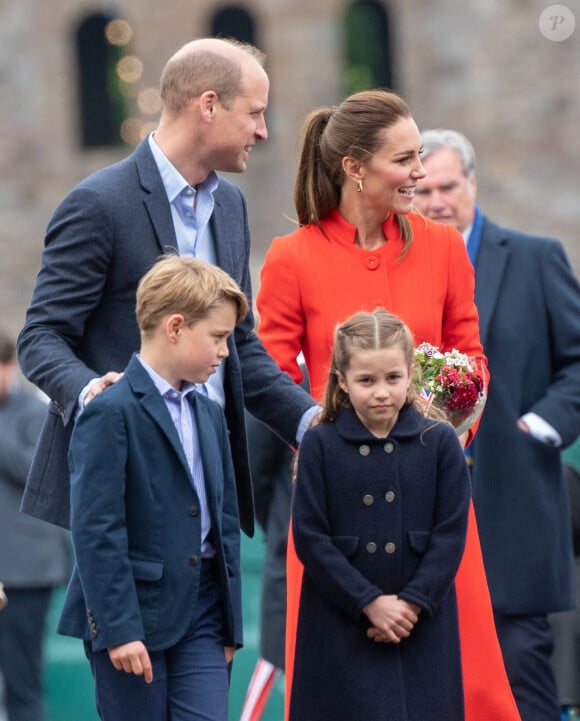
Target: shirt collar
x=172 y=179
x=163 y=386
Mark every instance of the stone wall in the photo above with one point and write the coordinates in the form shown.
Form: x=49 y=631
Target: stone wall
x=482 y=67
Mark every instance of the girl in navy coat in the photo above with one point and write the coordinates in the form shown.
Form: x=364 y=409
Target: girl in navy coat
x=379 y=515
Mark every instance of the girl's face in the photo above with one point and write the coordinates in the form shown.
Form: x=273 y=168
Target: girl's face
x=377 y=382
x=390 y=177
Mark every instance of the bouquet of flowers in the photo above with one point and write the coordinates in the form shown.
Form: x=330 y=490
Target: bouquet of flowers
x=452 y=382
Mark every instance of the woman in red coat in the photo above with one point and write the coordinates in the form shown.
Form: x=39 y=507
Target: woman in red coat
x=360 y=246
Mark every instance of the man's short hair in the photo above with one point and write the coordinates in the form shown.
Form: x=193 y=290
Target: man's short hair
x=191 y=72
x=440 y=138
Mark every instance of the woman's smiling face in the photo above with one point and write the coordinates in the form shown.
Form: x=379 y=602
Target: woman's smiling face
x=390 y=176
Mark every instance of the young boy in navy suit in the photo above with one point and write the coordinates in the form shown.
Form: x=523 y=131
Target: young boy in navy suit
x=156 y=592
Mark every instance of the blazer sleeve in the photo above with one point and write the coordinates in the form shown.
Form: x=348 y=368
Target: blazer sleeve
x=98 y=459
x=70 y=284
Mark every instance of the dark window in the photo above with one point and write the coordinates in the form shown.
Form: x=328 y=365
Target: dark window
x=102 y=100
x=233 y=21
x=368 y=47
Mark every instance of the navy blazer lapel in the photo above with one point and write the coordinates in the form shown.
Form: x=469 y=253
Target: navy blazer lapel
x=222 y=227
x=211 y=454
x=154 y=405
x=156 y=200
x=491 y=262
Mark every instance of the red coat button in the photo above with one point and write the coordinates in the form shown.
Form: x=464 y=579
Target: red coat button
x=372 y=262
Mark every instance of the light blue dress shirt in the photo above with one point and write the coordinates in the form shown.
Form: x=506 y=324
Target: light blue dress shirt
x=191 y=209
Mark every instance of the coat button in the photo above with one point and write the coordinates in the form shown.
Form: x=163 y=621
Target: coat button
x=389 y=496
x=193 y=560
x=371 y=547
x=388 y=447
x=193 y=511
x=364 y=450
x=368 y=500
x=390 y=547
x=372 y=262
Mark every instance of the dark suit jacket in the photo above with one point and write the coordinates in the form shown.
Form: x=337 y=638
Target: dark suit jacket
x=81 y=322
x=529 y=308
x=136 y=532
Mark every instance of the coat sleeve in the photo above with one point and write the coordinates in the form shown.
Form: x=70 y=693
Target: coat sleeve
x=560 y=404
x=282 y=324
x=98 y=457
x=460 y=316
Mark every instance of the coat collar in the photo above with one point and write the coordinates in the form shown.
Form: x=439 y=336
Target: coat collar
x=410 y=423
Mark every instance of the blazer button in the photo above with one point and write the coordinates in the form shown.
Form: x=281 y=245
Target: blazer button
x=364 y=450
x=371 y=547
x=388 y=447
x=368 y=500
x=390 y=547
x=193 y=511
x=193 y=560
x=389 y=496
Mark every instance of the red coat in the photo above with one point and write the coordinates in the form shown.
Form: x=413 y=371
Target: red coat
x=310 y=282
x=313 y=280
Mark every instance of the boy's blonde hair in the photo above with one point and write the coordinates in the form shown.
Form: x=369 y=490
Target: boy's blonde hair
x=189 y=286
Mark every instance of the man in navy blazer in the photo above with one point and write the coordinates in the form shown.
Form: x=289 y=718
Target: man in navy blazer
x=80 y=328
x=529 y=309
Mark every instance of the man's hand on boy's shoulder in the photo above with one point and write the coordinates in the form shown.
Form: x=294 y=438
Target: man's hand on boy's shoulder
x=99 y=384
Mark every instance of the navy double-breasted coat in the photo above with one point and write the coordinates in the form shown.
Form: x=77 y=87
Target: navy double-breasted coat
x=378 y=516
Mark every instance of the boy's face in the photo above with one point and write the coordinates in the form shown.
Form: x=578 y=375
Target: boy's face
x=200 y=347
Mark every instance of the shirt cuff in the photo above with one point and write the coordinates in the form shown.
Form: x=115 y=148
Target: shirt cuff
x=305 y=422
x=541 y=430
x=82 y=396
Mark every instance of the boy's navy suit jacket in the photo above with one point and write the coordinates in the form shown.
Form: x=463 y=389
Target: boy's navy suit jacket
x=135 y=519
